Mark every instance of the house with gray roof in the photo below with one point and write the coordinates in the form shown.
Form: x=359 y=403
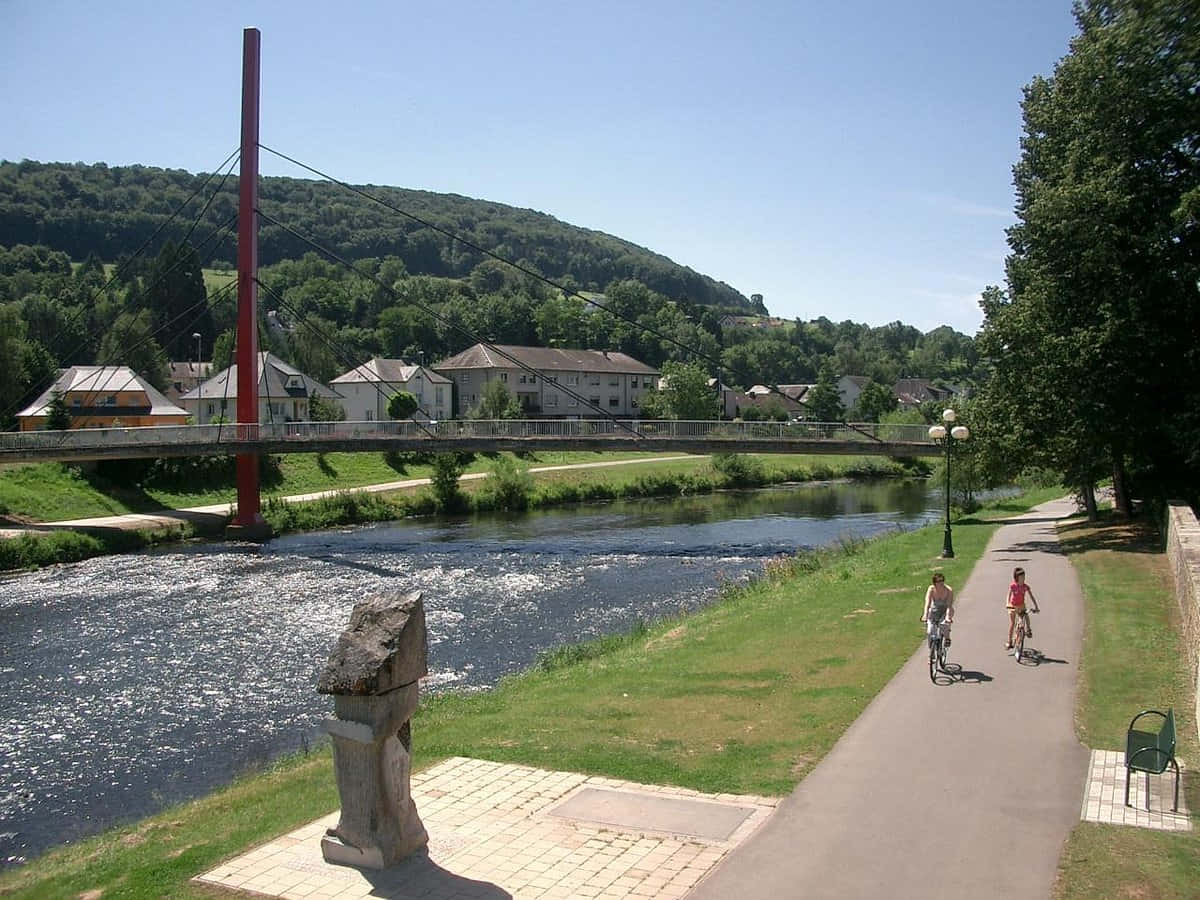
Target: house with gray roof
x=103 y=397
x=367 y=389
x=553 y=382
x=284 y=394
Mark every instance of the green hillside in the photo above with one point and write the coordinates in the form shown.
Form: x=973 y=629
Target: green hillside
x=111 y=211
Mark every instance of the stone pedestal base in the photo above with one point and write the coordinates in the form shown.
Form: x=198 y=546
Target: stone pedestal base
x=379 y=825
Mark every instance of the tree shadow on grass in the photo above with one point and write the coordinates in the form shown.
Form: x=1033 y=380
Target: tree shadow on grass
x=1109 y=533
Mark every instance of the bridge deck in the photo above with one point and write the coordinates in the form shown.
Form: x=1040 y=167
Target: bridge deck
x=468 y=435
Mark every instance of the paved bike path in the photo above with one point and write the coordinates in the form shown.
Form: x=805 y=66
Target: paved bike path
x=951 y=790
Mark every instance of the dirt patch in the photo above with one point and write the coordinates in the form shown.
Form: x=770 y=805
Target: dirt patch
x=671 y=637
x=903 y=590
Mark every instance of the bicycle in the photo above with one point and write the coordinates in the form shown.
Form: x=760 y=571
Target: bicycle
x=1023 y=628
x=938 y=638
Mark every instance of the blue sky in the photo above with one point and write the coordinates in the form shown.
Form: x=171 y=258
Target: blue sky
x=844 y=159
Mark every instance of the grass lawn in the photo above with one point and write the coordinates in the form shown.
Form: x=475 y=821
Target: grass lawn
x=51 y=491
x=1133 y=660
x=746 y=695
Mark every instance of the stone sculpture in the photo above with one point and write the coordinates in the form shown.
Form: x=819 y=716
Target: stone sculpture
x=373 y=674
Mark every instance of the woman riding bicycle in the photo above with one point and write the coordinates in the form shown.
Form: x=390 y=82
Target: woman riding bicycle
x=939 y=604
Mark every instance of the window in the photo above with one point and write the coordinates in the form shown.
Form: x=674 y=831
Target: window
x=551 y=400
x=647 y=382
x=595 y=379
x=572 y=380
x=370 y=415
x=595 y=401
x=504 y=377
x=211 y=408
x=437 y=395
x=614 y=381
x=614 y=402
x=522 y=381
x=465 y=377
x=533 y=379
x=633 y=402
x=573 y=402
x=110 y=400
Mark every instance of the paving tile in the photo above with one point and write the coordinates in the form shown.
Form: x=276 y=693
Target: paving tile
x=1104 y=796
x=493 y=835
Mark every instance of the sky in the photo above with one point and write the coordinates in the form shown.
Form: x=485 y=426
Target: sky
x=846 y=159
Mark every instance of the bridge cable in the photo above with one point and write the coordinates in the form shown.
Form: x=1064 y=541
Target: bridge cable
x=198 y=308
x=340 y=351
x=220 y=234
x=119 y=270
x=457 y=327
x=645 y=329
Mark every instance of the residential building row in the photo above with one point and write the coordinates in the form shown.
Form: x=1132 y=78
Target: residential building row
x=548 y=382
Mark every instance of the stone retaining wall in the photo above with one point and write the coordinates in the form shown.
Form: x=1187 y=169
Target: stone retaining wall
x=1183 y=551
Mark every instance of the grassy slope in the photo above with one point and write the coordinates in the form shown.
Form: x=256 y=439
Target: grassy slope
x=1132 y=660
x=51 y=491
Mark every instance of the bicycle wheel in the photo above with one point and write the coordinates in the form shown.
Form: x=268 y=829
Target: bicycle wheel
x=941 y=652
x=933 y=659
x=1019 y=645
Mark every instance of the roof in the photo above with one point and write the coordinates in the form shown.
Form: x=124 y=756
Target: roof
x=914 y=391
x=390 y=371
x=549 y=359
x=189 y=371
x=103 y=380
x=273 y=375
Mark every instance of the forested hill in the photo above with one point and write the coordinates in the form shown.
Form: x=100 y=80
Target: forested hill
x=110 y=211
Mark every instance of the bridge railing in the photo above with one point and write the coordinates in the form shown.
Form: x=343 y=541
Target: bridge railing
x=301 y=432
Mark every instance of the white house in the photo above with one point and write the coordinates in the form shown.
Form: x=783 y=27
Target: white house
x=284 y=393
x=367 y=389
x=562 y=383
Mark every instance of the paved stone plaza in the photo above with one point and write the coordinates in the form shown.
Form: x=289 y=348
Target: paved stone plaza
x=499 y=831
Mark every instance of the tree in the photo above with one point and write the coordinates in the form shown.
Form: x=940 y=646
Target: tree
x=1093 y=342
x=130 y=343
x=175 y=293
x=13 y=373
x=497 y=402
x=58 y=417
x=447 y=467
x=874 y=402
x=325 y=409
x=402 y=405
x=686 y=392
x=822 y=399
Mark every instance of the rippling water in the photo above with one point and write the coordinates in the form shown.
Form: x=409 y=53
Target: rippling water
x=131 y=682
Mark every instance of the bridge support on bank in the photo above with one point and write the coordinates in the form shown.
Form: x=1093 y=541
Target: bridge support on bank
x=248 y=523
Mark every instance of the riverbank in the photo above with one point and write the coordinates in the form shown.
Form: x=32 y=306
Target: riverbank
x=502 y=483
x=744 y=696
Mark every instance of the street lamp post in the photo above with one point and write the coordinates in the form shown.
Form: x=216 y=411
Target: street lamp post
x=196 y=335
x=948 y=434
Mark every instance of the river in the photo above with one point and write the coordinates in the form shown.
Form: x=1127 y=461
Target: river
x=129 y=683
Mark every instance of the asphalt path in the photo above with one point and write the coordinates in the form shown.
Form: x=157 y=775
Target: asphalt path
x=964 y=789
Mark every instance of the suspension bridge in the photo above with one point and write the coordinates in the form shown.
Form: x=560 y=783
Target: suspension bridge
x=469 y=435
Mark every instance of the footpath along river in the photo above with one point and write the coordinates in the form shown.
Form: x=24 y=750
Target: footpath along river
x=129 y=683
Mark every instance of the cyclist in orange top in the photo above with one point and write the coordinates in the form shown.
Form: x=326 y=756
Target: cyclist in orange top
x=1017 y=591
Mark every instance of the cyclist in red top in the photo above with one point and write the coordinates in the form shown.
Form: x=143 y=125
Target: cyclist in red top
x=1017 y=591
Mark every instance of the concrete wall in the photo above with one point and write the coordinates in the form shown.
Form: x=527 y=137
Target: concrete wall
x=1183 y=552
